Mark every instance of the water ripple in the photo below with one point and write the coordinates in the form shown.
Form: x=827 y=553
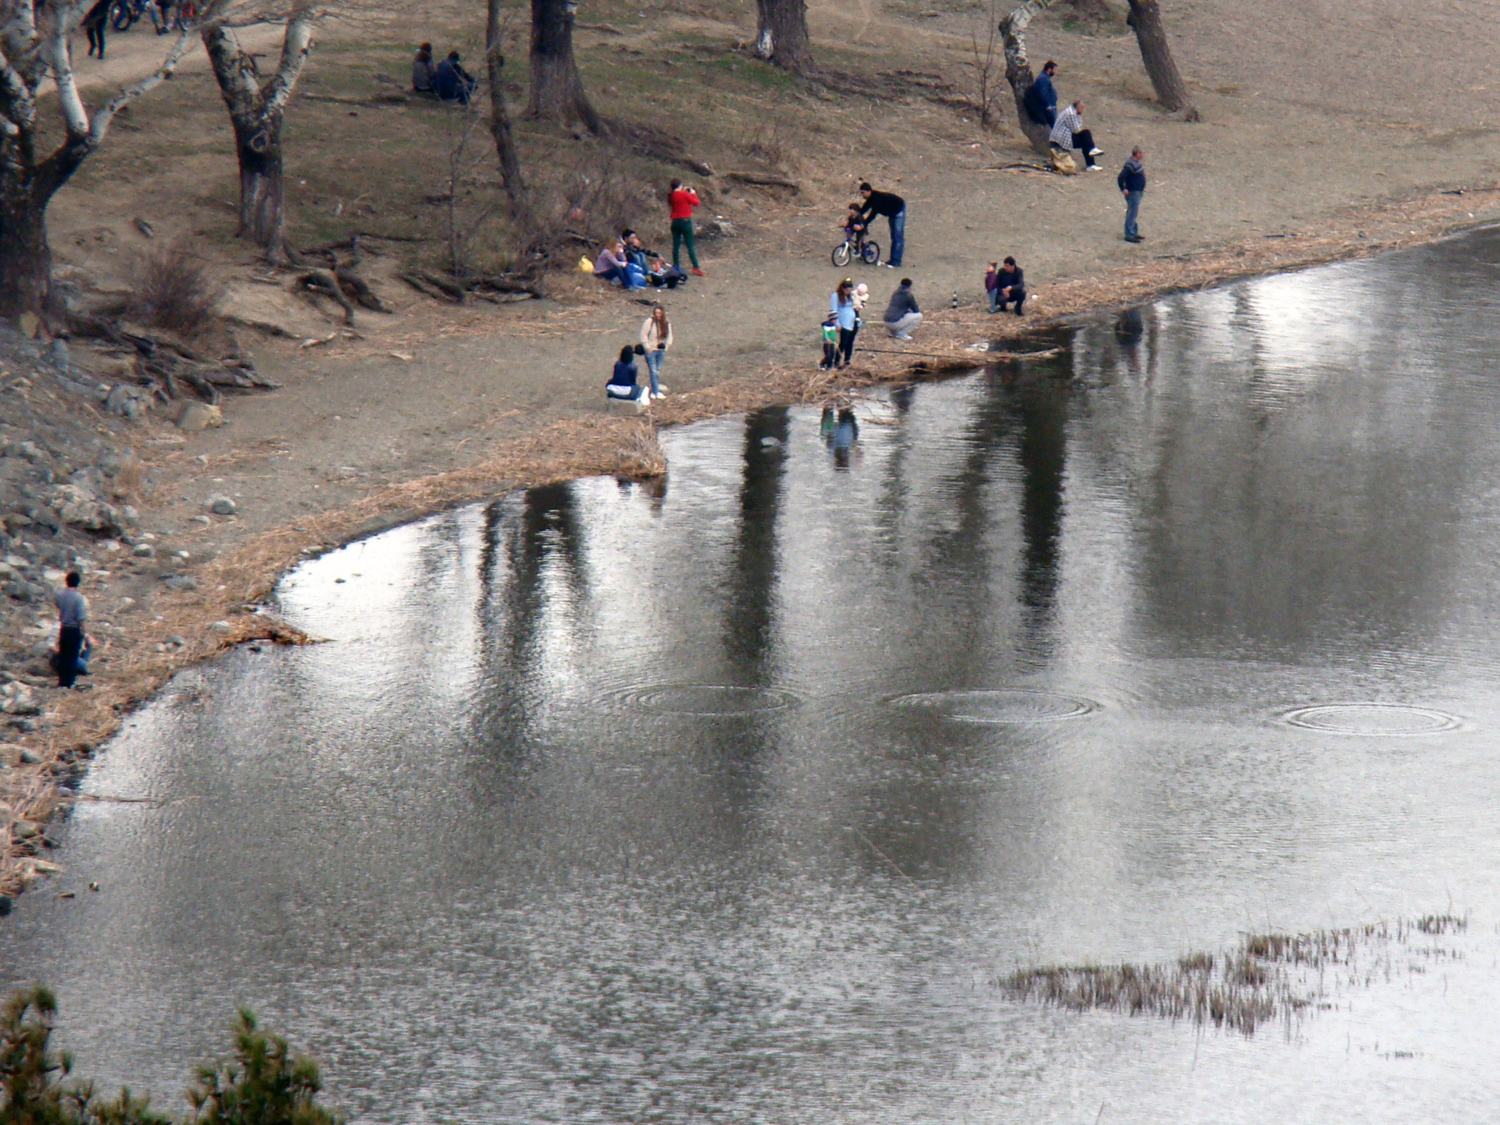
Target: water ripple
x=1005 y=705
x=1372 y=719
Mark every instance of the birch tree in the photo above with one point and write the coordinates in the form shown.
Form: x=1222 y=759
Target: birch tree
x=256 y=105
x=500 y=131
x=1018 y=69
x=34 y=46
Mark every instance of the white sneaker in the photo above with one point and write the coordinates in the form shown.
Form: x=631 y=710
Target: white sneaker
x=662 y=390
x=1094 y=168
x=1096 y=152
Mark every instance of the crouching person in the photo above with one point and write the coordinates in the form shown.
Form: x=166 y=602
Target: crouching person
x=624 y=383
x=902 y=315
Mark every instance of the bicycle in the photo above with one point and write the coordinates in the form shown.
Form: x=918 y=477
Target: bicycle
x=856 y=246
x=126 y=12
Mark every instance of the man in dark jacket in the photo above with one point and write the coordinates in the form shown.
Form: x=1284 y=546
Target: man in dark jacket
x=1010 y=287
x=453 y=83
x=1132 y=182
x=902 y=314
x=893 y=207
x=1040 y=99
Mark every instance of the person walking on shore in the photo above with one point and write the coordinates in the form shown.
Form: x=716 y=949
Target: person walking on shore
x=893 y=207
x=683 y=200
x=1068 y=133
x=656 y=338
x=841 y=305
x=1132 y=181
x=72 y=612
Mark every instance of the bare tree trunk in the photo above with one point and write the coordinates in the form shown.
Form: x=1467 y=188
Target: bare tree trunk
x=781 y=36
x=505 y=141
x=256 y=109
x=262 y=198
x=31 y=52
x=556 y=90
x=1018 y=70
x=1156 y=53
x=25 y=257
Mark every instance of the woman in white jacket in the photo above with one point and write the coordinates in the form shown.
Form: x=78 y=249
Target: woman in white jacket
x=656 y=338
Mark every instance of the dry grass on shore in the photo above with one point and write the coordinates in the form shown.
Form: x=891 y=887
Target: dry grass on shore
x=1267 y=977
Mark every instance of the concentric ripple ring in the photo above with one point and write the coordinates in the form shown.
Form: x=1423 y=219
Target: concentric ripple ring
x=1005 y=705
x=710 y=700
x=1381 y=720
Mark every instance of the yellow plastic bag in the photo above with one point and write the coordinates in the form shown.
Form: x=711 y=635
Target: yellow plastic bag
x=585 y=266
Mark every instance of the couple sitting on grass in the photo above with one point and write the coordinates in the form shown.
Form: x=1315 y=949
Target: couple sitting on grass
x=628 y=263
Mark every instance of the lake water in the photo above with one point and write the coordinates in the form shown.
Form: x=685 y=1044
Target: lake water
x=730 y=802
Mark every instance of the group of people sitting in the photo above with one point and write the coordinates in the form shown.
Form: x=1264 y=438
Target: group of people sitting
x=447 y=81
x=1067 y=131
x=626 y=262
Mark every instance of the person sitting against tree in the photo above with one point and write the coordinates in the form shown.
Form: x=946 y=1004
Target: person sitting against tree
x=424 y=71
x=452 y=82
x=1040 y=99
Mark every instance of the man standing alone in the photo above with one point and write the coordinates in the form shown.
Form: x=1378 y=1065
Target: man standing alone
x=893 y=207
x=1132 y=181
x=72 y=612
x=682 y=201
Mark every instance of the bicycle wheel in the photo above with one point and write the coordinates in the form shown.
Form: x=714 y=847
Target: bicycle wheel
x=870 y=252
x=123 y=15
x=841 y=254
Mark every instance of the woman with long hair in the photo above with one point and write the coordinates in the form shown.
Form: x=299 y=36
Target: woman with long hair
x=841 y=305
x=656 y=338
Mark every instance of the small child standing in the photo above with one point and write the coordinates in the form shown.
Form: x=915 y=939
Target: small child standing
x=830 y=342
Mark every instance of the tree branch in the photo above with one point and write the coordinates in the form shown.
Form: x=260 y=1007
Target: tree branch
x=294 y=48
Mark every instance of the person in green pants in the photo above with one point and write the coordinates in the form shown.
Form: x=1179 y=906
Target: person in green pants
x=683 y=200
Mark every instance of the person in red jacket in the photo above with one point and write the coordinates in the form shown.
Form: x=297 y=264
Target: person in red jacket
x=683 y=200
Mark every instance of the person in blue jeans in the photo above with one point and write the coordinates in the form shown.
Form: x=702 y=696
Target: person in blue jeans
x=1132 y=184
x=893 y=207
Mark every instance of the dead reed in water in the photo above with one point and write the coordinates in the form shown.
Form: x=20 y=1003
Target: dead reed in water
x=1268 y=976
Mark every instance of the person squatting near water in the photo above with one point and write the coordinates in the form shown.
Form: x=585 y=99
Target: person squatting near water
x=1068 y=133
x=893 y=207
x=902 y=314
x=1005 y=285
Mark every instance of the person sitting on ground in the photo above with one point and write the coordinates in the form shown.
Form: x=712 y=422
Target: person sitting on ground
x=902 y=314
x=452 y=82
x=72 y=612
x=1010 y=286
x=610 y=265
x=635 y=250
x=1068 y=133
x=622 y=382
x=663 y=273
x=424 y=72
x=1040 y=99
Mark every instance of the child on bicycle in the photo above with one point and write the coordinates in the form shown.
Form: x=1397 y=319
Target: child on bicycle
x=854 y=226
